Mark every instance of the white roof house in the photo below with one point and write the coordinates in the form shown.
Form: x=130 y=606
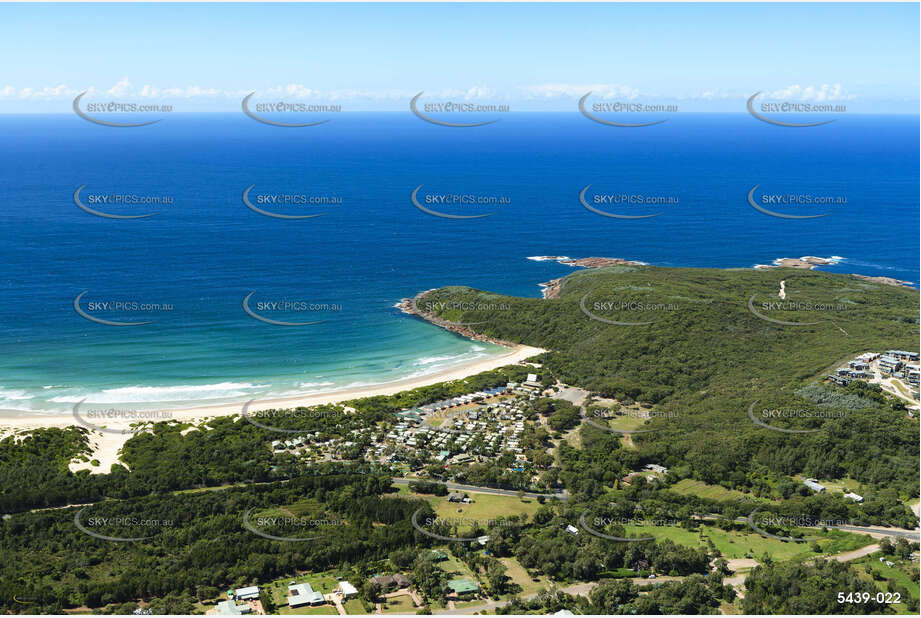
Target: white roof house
x=347 y=589
x=304 y=594
x=852 y=496
x=230 y=608
x=250 y=592
x=814 y=485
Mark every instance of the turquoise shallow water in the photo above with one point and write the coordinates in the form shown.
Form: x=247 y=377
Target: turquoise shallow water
x=205 y=251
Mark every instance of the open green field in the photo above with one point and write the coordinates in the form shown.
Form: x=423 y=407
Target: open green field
x=486 y=507
x=353 y=606
x=519 y=575
x=690 y=487
x=746 y=544
x=623 y=423
x=402 y=604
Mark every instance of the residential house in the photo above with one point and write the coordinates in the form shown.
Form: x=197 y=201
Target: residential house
x=304 y=594
x=346 y=589
x=385 y=582
x=814 y=485
x=889 y=364
x=230 y=608
x=903 y=355
x=245 y=594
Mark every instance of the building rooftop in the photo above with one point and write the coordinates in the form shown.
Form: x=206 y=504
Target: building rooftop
x=247 y=592
x=229 y=608
x=347 y=588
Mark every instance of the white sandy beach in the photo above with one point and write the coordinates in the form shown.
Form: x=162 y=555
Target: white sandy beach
x=106 y=445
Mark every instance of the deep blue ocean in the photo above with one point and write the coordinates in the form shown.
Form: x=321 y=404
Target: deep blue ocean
x=206 y=251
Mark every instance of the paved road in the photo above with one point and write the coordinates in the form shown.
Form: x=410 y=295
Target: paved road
x=877 y=531
x=874 y=531
x=561 y=495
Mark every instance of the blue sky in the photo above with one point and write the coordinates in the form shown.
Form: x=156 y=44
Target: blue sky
x=705 y=57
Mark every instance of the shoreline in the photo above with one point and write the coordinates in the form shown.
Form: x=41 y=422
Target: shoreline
x=105 y=446
x=514 y=354
x=410 y=306
x=551 y=289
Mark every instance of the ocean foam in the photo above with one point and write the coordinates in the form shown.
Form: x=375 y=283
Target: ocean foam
x=145 y=394
x=313 y=384
x=8 y=394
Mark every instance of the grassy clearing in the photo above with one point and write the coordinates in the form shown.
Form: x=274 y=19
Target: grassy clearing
x=690 y=487
x=624 y=423
x=455 y=568
x=353 y=606
x=402 y=604
x=486 y=507
x=839 y=485
x=519 y=575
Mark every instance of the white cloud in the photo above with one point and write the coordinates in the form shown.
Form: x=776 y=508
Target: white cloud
x=47 y=92
x=602 y=91
x=121 y=89
x=125 y=90
x=825 y=92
